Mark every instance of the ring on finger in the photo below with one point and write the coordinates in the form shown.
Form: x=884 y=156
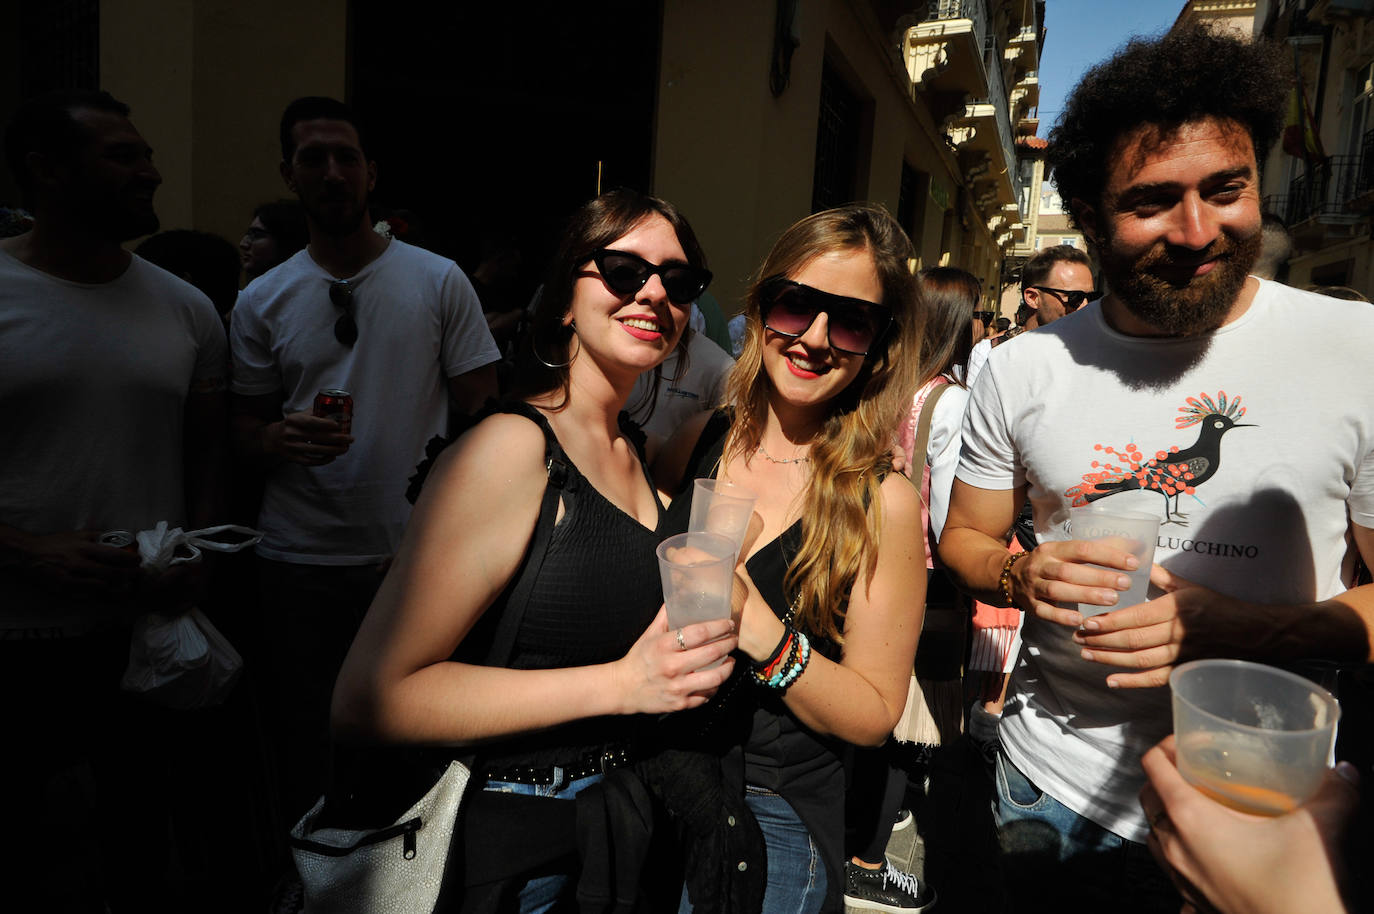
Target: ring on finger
x=681 y=642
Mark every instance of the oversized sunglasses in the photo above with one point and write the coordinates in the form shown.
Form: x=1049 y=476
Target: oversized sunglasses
x=346 y=327
x=984 y=316
x=626 y=274
x=1072 y=298
x=852 y=325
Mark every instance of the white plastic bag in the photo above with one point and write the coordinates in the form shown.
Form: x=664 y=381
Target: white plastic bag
x=182 y=661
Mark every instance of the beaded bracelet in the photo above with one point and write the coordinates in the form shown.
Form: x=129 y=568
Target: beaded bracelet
x=781 y=658
x=793 y=654
x=794 y=670
x=1004 y=581
x=767 y=667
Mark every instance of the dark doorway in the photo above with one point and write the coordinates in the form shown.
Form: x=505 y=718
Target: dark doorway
x=488 y=120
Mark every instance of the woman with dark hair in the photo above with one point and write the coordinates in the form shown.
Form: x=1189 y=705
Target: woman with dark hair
x=277 y=232
x=832 y=573
x=950 y=295
x=594 y=658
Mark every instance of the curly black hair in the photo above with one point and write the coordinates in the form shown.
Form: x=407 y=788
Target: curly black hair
x=1187 y=75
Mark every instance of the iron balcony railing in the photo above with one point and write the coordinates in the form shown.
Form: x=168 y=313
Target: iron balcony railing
x=997 y=98
x=1325 y=189
x=975 y=10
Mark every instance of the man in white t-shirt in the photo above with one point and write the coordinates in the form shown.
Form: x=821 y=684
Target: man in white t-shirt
x=112 y=376
x=402 y=331
x=1055 y=282
x=682 y=391
x=1219 y=402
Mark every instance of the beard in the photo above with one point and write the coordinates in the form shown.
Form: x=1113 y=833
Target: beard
x=121 y=224
x=336 y=216
x=1190 y=307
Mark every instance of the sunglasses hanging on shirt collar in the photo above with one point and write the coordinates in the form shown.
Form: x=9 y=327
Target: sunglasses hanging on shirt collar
x=346 y=327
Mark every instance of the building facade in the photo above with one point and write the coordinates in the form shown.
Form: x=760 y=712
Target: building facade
x=1320 y=178
x=748 y=115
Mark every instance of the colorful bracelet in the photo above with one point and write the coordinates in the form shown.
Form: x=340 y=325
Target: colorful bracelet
x=792 y=657
x=1004 y=581
x=767 y=666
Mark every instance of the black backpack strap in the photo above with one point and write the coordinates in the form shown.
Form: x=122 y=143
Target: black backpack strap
x=556 y=463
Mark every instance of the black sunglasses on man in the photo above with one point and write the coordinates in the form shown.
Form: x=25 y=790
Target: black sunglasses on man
x=1071 y=298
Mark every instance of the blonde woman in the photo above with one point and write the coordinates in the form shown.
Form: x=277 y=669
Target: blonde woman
x=835 y=576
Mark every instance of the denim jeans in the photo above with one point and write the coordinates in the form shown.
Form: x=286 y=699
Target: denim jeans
x=542 y=893
x=796 y=872
x=1053 y=859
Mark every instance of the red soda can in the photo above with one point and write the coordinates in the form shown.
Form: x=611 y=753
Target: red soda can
x=335 y=404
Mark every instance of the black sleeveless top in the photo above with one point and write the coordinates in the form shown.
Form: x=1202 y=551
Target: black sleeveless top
x=596 y=593
x=779 y=752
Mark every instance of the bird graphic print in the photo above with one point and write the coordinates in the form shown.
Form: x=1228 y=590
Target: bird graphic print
x=1172 y=472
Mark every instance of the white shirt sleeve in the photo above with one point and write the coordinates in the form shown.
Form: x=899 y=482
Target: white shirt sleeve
x=988 y=457
x=255 y=370
x=942 y=452
x=467 y=342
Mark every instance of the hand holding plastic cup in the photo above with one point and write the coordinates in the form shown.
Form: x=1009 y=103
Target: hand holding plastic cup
x=722 y=507
x=1134 y=531
x=698 y=571
x=1252 y=737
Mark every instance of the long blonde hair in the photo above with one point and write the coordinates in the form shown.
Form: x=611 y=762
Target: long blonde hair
x=841 y=508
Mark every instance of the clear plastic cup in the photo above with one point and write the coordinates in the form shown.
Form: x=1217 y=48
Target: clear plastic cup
x=698 y=571
x=1252 y=737
x=722 y=507
x=1134 y=531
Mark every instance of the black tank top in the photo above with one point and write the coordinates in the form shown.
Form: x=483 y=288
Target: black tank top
x=596 y=593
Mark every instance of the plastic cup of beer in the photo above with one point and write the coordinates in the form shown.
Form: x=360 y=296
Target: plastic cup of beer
x=1134 y=531
x=719 y=506
x=1252 y=737
x=698 y=571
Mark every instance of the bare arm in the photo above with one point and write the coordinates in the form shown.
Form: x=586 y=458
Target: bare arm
x=974 y=549
x=860 y=699
x=464 y=543
x=471 y=389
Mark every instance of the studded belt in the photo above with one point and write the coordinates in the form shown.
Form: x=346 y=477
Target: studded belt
x=589 y=764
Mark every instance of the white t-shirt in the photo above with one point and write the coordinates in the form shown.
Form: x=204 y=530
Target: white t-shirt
x=419 y=323
x=1278 y=398
x=93 y=387
x=977 y=358
x=701 y=387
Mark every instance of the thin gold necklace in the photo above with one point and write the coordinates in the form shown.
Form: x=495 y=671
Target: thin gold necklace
x=771 y=459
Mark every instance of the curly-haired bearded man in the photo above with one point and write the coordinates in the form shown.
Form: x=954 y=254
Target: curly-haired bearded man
x=1219 y=402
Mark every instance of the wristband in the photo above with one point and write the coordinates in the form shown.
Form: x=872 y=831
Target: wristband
x=1004 y=581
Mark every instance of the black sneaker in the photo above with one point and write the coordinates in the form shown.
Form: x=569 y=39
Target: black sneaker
x=885 y=889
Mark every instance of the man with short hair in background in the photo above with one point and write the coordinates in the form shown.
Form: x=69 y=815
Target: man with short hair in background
x=1054 y=282
x=401 y=330
x=112 y=376
x=1160 y=398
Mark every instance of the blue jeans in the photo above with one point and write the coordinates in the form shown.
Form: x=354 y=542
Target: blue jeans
x=542 y=893
x=796 y=872
x=1053 y=859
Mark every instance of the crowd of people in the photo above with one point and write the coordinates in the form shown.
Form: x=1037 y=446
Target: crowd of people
x=458 y=556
